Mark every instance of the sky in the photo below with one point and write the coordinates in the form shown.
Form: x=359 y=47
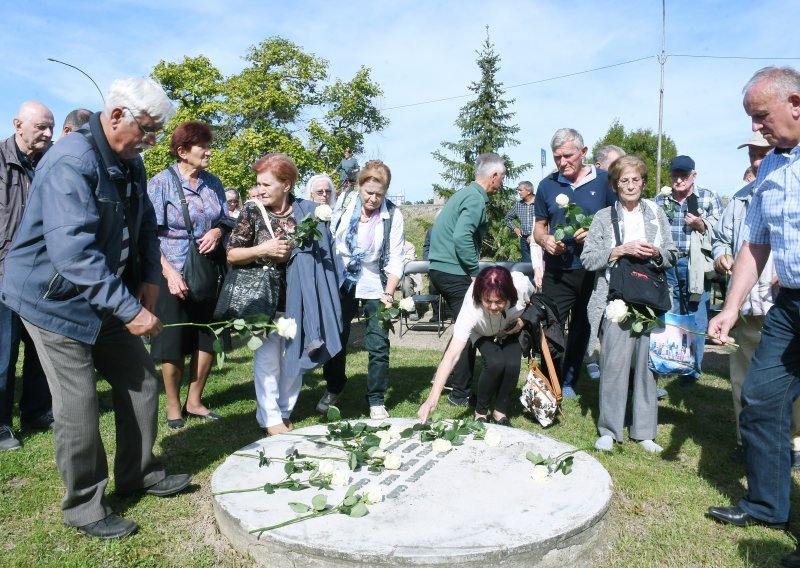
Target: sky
x=425 y=51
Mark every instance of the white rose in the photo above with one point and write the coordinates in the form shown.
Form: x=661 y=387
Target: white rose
x=617 y=311
x=392 y=461
x=379 y=453
x=562 y=200
x=286 y=327
x=666 y=191
x=373 y=494
x=493 y=438
x=440 y=445
x=385 y=443
x=407 y=304
x=340 y=478
x=539 y=472
x=395 y=430
x=326 y=467
x=383 y=434
x=323 y=213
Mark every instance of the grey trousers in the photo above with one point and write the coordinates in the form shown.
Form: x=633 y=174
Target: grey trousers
x=620 y=356
x=70 y=368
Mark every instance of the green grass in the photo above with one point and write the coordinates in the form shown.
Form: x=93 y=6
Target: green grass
x=657 y=516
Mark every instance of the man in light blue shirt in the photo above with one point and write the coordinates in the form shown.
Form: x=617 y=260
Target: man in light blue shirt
x=772 y=100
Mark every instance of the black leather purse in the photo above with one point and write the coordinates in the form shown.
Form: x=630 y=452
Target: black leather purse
x=202 y=273
x=637 y=281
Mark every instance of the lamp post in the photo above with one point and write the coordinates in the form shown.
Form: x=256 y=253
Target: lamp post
x=82 y=71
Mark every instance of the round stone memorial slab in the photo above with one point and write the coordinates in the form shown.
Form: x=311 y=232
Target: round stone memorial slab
x=476 y=505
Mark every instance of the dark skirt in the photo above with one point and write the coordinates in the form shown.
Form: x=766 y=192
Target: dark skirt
x=173 y=344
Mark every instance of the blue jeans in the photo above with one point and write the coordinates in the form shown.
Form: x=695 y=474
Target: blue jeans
x=525 y=248
x=678 y=280
x=376 y=342
x=35 y=399
x=770 y=388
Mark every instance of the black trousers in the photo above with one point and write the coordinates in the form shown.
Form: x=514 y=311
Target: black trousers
x=501 y=363
x=569 y=291
x=453 y=287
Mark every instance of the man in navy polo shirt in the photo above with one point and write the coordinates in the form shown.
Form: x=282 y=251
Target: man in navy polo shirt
x=566 y=284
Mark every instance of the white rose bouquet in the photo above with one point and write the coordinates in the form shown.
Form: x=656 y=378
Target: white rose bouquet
x=387 y=316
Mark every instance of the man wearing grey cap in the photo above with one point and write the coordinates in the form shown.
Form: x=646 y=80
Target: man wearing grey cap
x=692 y=211
x=727 y=238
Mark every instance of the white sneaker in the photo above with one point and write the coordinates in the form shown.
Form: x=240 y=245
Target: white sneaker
x=378 y=412
x=594 y=371
x=604 y=443
x=651 y=446
x=328 y=399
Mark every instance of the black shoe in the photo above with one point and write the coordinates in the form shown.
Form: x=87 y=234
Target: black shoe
x=170 y=485
x=41 y=423
x=176 y=424
x=113 y=526
x=736 y=516
x=457 y=401
x=504 y=421
x=209 y=416
x=7 y=439
x=793 y=560
x=434 y=319
x=795 y=460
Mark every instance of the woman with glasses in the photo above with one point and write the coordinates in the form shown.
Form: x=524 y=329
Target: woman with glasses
x=369 y=243
x=207 y=210
x=645 y=234
x=491 y=322
x=319 y=189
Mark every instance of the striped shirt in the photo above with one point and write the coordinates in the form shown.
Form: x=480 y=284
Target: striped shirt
x=708 y=205
x=774 y=214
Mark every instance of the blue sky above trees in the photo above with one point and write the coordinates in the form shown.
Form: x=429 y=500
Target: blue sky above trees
x=422 y=51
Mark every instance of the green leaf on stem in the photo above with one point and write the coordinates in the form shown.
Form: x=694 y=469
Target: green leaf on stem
x=299 y=508
x=217 y=346
x=350 y=491
x=359 y=510
x=334 y=414
x=254 y=343
x=269 y=489
x=558 y=235
x=352 y=461
x=238 y=324
x=319 y=502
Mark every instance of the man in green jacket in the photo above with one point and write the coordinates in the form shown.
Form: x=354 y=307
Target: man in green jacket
x=455 y=251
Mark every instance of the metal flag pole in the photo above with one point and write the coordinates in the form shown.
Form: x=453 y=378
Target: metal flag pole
x=662 y=60
x=82 y=71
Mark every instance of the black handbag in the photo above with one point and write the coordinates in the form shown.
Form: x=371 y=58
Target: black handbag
x=202 y=273
x=250 y=290
x=637 y=281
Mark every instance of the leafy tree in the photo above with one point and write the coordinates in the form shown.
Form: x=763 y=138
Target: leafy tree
x=280 y=102
x=643 y=143
x=485 y=125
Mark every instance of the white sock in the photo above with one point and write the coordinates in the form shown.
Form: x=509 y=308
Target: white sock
x=651 y=446
x=604 y=443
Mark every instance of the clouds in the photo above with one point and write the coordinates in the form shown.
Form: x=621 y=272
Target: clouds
x=421 y=51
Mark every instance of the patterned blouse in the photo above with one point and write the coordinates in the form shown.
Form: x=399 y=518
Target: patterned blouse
x=206 y=205
x=251 y=230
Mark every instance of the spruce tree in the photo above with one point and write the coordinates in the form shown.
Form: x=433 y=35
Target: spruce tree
x=485 y=125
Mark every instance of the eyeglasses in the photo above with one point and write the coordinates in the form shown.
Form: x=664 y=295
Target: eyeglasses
x=322 y=191
x=147 y=135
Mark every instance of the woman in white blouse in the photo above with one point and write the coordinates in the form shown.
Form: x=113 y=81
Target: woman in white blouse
x=491 y=321
x=369 y=243
x=645 y=234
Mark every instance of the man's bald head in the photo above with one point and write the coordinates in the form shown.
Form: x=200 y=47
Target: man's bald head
x=34 y=127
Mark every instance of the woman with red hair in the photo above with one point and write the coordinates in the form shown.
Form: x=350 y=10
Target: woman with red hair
x=309 y=291
x=491 y=321
x=207 y=210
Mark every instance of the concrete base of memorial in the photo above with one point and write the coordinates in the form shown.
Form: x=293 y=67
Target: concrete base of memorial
x=474 y=506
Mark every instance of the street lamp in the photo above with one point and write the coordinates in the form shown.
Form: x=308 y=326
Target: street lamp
x=82 y=71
